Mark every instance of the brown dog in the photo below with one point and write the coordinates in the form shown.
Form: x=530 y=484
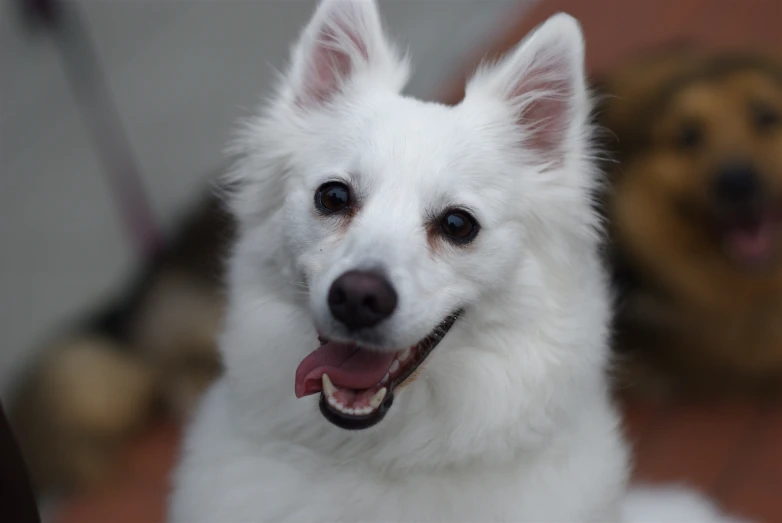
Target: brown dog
x=695 y=211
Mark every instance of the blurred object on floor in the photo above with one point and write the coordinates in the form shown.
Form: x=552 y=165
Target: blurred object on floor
x=86 y=390
x=17 y=502
x=137 y=495
x=95 y=386
x=174 y=317
x=695 y=213
x=84 y=399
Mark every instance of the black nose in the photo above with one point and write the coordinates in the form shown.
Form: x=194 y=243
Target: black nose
x=737 y=183
x=361 y=299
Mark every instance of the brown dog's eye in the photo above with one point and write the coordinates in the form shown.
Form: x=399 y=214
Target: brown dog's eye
x=765 y=117
x=332 y=197
x=689 y=136
x=459 y=226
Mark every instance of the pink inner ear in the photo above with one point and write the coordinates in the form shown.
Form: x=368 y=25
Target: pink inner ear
x=331 y=60
x=546 y=115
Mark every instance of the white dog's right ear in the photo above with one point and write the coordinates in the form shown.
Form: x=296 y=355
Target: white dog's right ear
x=344 y=42
x=542 y=82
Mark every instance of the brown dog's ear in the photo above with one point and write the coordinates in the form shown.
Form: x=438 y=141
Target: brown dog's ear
x=627 y=93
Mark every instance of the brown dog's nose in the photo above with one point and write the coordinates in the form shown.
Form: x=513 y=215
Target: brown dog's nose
x=361 y=299
x=737 y=184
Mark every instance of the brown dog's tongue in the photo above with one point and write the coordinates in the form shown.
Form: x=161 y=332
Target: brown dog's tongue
x=348 y=367
x=752 y=243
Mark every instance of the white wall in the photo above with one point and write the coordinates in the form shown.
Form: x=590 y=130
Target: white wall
x=181 y=71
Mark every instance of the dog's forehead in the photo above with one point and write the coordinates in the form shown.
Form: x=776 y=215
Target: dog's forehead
x=405 y=130
x=427 y=147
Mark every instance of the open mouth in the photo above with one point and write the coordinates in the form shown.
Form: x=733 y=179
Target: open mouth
x=356 y=384
x=752 y=239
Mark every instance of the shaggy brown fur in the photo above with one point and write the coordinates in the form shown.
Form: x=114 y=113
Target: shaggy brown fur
x=695 y=213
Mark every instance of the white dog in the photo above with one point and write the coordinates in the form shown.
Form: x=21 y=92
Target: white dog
x=446 y=261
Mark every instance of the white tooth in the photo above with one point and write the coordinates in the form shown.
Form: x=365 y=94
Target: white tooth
x=394 y=367
x=365 y=411
x=385 y=378
x=332 y=401
x=404 y=354
x=377 y=399
x=328 y=387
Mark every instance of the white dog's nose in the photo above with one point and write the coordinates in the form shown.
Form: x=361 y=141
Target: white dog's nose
x=361 y=299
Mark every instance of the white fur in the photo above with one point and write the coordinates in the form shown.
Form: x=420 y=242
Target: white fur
x=671 y=503
x=510 y=418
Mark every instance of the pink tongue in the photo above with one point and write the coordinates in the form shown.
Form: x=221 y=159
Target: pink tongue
x=753 y=243
x=347 y=367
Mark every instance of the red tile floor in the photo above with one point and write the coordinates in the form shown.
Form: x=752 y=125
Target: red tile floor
x=731 y=451
x=138 y=494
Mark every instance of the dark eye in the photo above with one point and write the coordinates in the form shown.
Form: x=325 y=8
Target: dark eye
x=689 y=136
x=332 y=197
x=765 y=117
x=459 y=227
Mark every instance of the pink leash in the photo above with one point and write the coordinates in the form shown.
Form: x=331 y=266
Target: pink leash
x=101 y=118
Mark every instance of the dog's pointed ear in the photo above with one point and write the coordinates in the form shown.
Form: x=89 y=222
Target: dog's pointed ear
x=543 y=82
x=344 y=41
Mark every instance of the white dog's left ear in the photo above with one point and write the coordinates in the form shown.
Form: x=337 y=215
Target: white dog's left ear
x=542 y=81
x=343 y=41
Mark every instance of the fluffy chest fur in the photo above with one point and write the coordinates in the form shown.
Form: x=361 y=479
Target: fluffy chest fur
x=275 y=479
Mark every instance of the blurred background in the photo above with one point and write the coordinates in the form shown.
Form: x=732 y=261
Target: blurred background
x=113 y=119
